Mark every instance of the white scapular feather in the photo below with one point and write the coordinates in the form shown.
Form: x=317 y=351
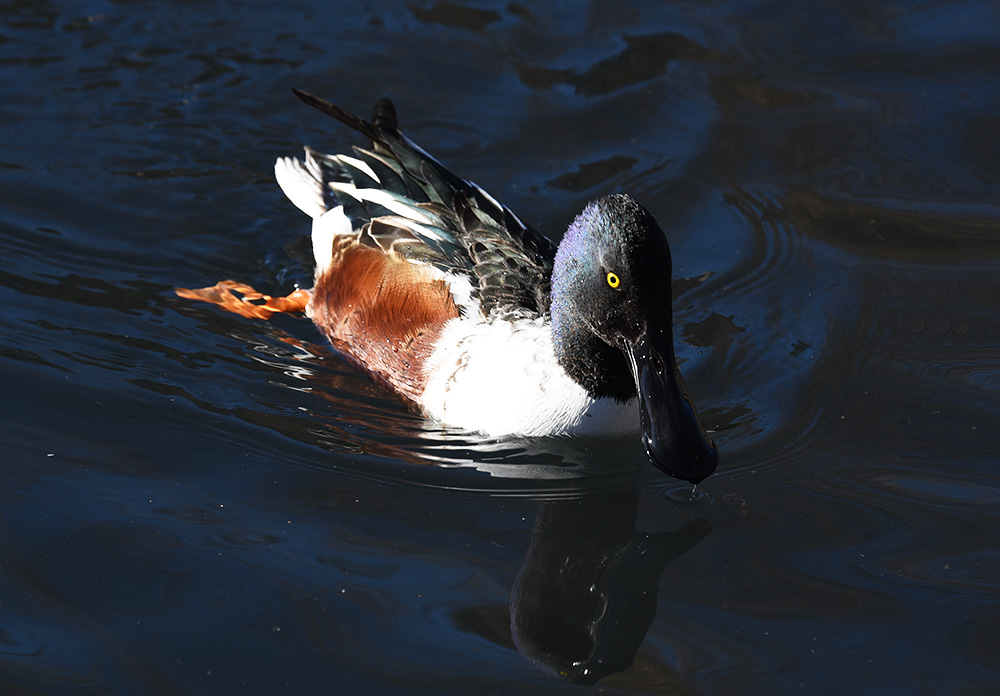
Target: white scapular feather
x=327 y=226
x=383 y=198
x=360 y=165
x=300 y=186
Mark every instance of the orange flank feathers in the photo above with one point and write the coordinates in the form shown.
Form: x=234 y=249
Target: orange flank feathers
x=380 y=310
x=383 y=311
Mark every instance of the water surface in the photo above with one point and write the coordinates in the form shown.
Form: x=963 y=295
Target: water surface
x=195 y=503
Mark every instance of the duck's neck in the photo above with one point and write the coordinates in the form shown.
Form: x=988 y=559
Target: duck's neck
x=599 y=368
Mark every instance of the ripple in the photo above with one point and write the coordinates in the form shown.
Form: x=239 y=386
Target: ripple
x=643 y=58
x=695 y=498
x=20 y=641
x=766 y=321
x=47 y=654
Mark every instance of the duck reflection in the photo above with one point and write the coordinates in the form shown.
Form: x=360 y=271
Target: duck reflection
x=586 y=593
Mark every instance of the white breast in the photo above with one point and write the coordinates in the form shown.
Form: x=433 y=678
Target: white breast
x=502 y=378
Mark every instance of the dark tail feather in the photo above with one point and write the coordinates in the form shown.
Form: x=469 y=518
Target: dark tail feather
x=384 y=117
x=383 y=121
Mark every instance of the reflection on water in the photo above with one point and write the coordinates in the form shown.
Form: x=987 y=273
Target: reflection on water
x=194 y=503
x=586 y=594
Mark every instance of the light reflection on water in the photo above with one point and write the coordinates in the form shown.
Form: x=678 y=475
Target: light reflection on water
x=196 y=503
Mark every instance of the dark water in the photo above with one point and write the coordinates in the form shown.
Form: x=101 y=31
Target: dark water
x=195 y=503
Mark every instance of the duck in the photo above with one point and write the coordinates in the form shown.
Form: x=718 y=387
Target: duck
x=446 y=297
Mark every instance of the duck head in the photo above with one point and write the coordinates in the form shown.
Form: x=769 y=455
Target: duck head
x=612 y=323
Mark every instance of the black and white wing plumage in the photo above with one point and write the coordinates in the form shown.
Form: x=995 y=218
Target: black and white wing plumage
x=402 y=200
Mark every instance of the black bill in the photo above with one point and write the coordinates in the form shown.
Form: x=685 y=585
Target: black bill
x=672 y=434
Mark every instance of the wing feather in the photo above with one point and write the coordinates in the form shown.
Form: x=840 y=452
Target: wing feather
x=402 y=200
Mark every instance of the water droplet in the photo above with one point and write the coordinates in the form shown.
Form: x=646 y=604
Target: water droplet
x=692 y=498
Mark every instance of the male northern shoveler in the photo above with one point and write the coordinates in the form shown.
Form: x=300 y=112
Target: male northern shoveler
x=446 y=297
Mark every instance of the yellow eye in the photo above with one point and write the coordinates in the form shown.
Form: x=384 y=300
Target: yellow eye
x=613 y=280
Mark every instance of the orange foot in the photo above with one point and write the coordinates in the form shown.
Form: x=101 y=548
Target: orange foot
x=252 y=303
